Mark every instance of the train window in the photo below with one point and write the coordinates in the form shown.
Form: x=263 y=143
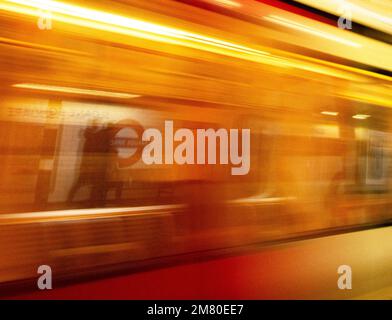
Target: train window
x=373 y=162
x=66 y=154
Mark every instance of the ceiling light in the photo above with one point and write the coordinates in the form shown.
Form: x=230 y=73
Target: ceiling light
x=361 y=116
x=330 y=113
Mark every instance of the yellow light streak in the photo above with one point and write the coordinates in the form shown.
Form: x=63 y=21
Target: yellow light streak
x=330 y=113
x=119 y=24
x=361 y=116
x=228 y=3
x=103 y=21
x=99 y=93
x=301 y=27
x=371 y=13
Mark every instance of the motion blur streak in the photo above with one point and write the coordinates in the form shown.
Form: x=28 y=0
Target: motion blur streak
x=77 y=98
x=75 y=90
x=298 y=270
x=371 y=13
x=84 y=213
x=228 y=3
x=116 y=23
x=301 y=27
x=113 y=23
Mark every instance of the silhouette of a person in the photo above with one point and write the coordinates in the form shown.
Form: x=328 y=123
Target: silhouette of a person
x=93 y=164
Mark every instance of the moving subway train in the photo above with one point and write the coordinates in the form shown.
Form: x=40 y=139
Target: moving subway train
x=78 y=95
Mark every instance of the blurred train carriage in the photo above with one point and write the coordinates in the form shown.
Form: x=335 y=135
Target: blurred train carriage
x=74 y=194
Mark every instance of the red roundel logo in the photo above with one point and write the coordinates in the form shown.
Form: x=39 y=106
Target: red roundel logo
x=127 y=142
